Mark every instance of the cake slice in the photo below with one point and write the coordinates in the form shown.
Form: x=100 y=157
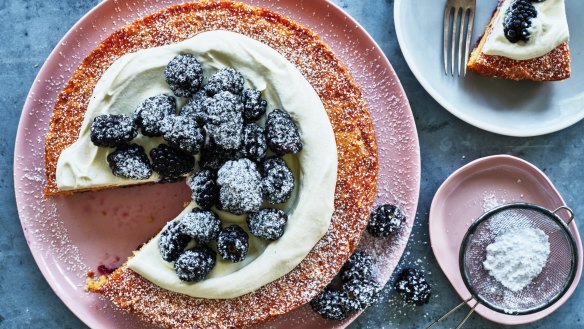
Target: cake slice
x=525 y=40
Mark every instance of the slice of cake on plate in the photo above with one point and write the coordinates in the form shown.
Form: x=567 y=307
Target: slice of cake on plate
x=525 y=40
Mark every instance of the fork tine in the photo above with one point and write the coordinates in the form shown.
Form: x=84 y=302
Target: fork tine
x=454 y=31
x=461 y=38
x=469 y=35
x=447 y=12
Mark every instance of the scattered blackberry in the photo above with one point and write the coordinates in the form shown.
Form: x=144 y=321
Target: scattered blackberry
x=232 y=243
x=267 y=224
x=171 y=164
x=149 y=115
x=253 y=105
x=204 y=188
x=184 y=75
x=385 y=220
x=277 y=180
x=130 y=161
x=253 y=144
x=195 y=108
x=358 y=267
x=330 y=305
x=239 y=187
x=226 y=79
x=412 y=285
x=361 y=293
x=282 y=134
x=224 y=120
x=111 y=130
x=195 y=264
x=201 y=225
x=213 y=157
x=105 y=270
x=183 y=133
x=172 y=241
x=518 y=20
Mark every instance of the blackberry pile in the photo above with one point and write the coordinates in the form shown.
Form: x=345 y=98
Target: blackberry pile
x=357 y=289
x=518 y=20
x=240 y=164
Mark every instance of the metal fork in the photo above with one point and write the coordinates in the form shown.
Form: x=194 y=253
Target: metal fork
x=466 y=10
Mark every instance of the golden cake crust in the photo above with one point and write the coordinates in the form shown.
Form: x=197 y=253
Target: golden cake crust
x=553 y=66
x=356 y=148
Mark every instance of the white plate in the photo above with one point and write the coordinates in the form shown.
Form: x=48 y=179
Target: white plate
x=505 y=107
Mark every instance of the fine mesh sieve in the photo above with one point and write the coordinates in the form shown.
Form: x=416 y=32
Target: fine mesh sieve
x=546 y=288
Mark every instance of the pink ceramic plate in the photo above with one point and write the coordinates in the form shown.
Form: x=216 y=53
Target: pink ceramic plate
x=69 y=236
x=469 y=192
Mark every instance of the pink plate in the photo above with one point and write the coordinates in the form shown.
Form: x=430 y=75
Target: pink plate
x=69 y=236
x=476 y=188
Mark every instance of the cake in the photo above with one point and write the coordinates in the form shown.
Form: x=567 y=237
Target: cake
x=335 y=114
x=524 y=40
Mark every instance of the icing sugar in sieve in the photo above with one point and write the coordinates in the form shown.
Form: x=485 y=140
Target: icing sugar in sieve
x=542 y=235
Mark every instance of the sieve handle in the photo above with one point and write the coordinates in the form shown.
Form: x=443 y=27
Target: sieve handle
x=452 y=311
x=467 y=316
x=570 y=211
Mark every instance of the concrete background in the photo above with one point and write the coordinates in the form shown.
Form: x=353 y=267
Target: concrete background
x=30 y=30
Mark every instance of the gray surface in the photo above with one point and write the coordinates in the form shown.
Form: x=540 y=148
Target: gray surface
x=30 y=29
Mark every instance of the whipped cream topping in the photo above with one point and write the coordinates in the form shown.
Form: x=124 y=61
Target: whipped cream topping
x=137 y=76
x=548 y=30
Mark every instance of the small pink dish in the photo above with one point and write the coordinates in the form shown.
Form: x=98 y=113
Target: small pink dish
x=476 y=188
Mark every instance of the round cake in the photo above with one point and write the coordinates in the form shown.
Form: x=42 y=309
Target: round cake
x=356 y=151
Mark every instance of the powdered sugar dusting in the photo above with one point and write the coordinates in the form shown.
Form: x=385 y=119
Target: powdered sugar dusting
x=398 y=149
x=517 y=257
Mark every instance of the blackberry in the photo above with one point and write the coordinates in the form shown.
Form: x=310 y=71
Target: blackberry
x=149 y=115
x=184 y=75
x=385 y=220
x=213 y=157
x=201 y=225
x=183 y=133
x=195 y=108
x=277 y=180
x=282 y=134
x=361 y=293
x=204 y=188
x=253 y=105
x=412 y=285
x=130 y=161
x=517 y=20
x=239 y=187
x=330 y=305
x=358 y=267
x=267 y=224
x=226 y=79
x=172 y=241
x=171 y=164
x=232 y=243
x=111 y=130
x=224 y=120
x=195 y=264
x=253 y=144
